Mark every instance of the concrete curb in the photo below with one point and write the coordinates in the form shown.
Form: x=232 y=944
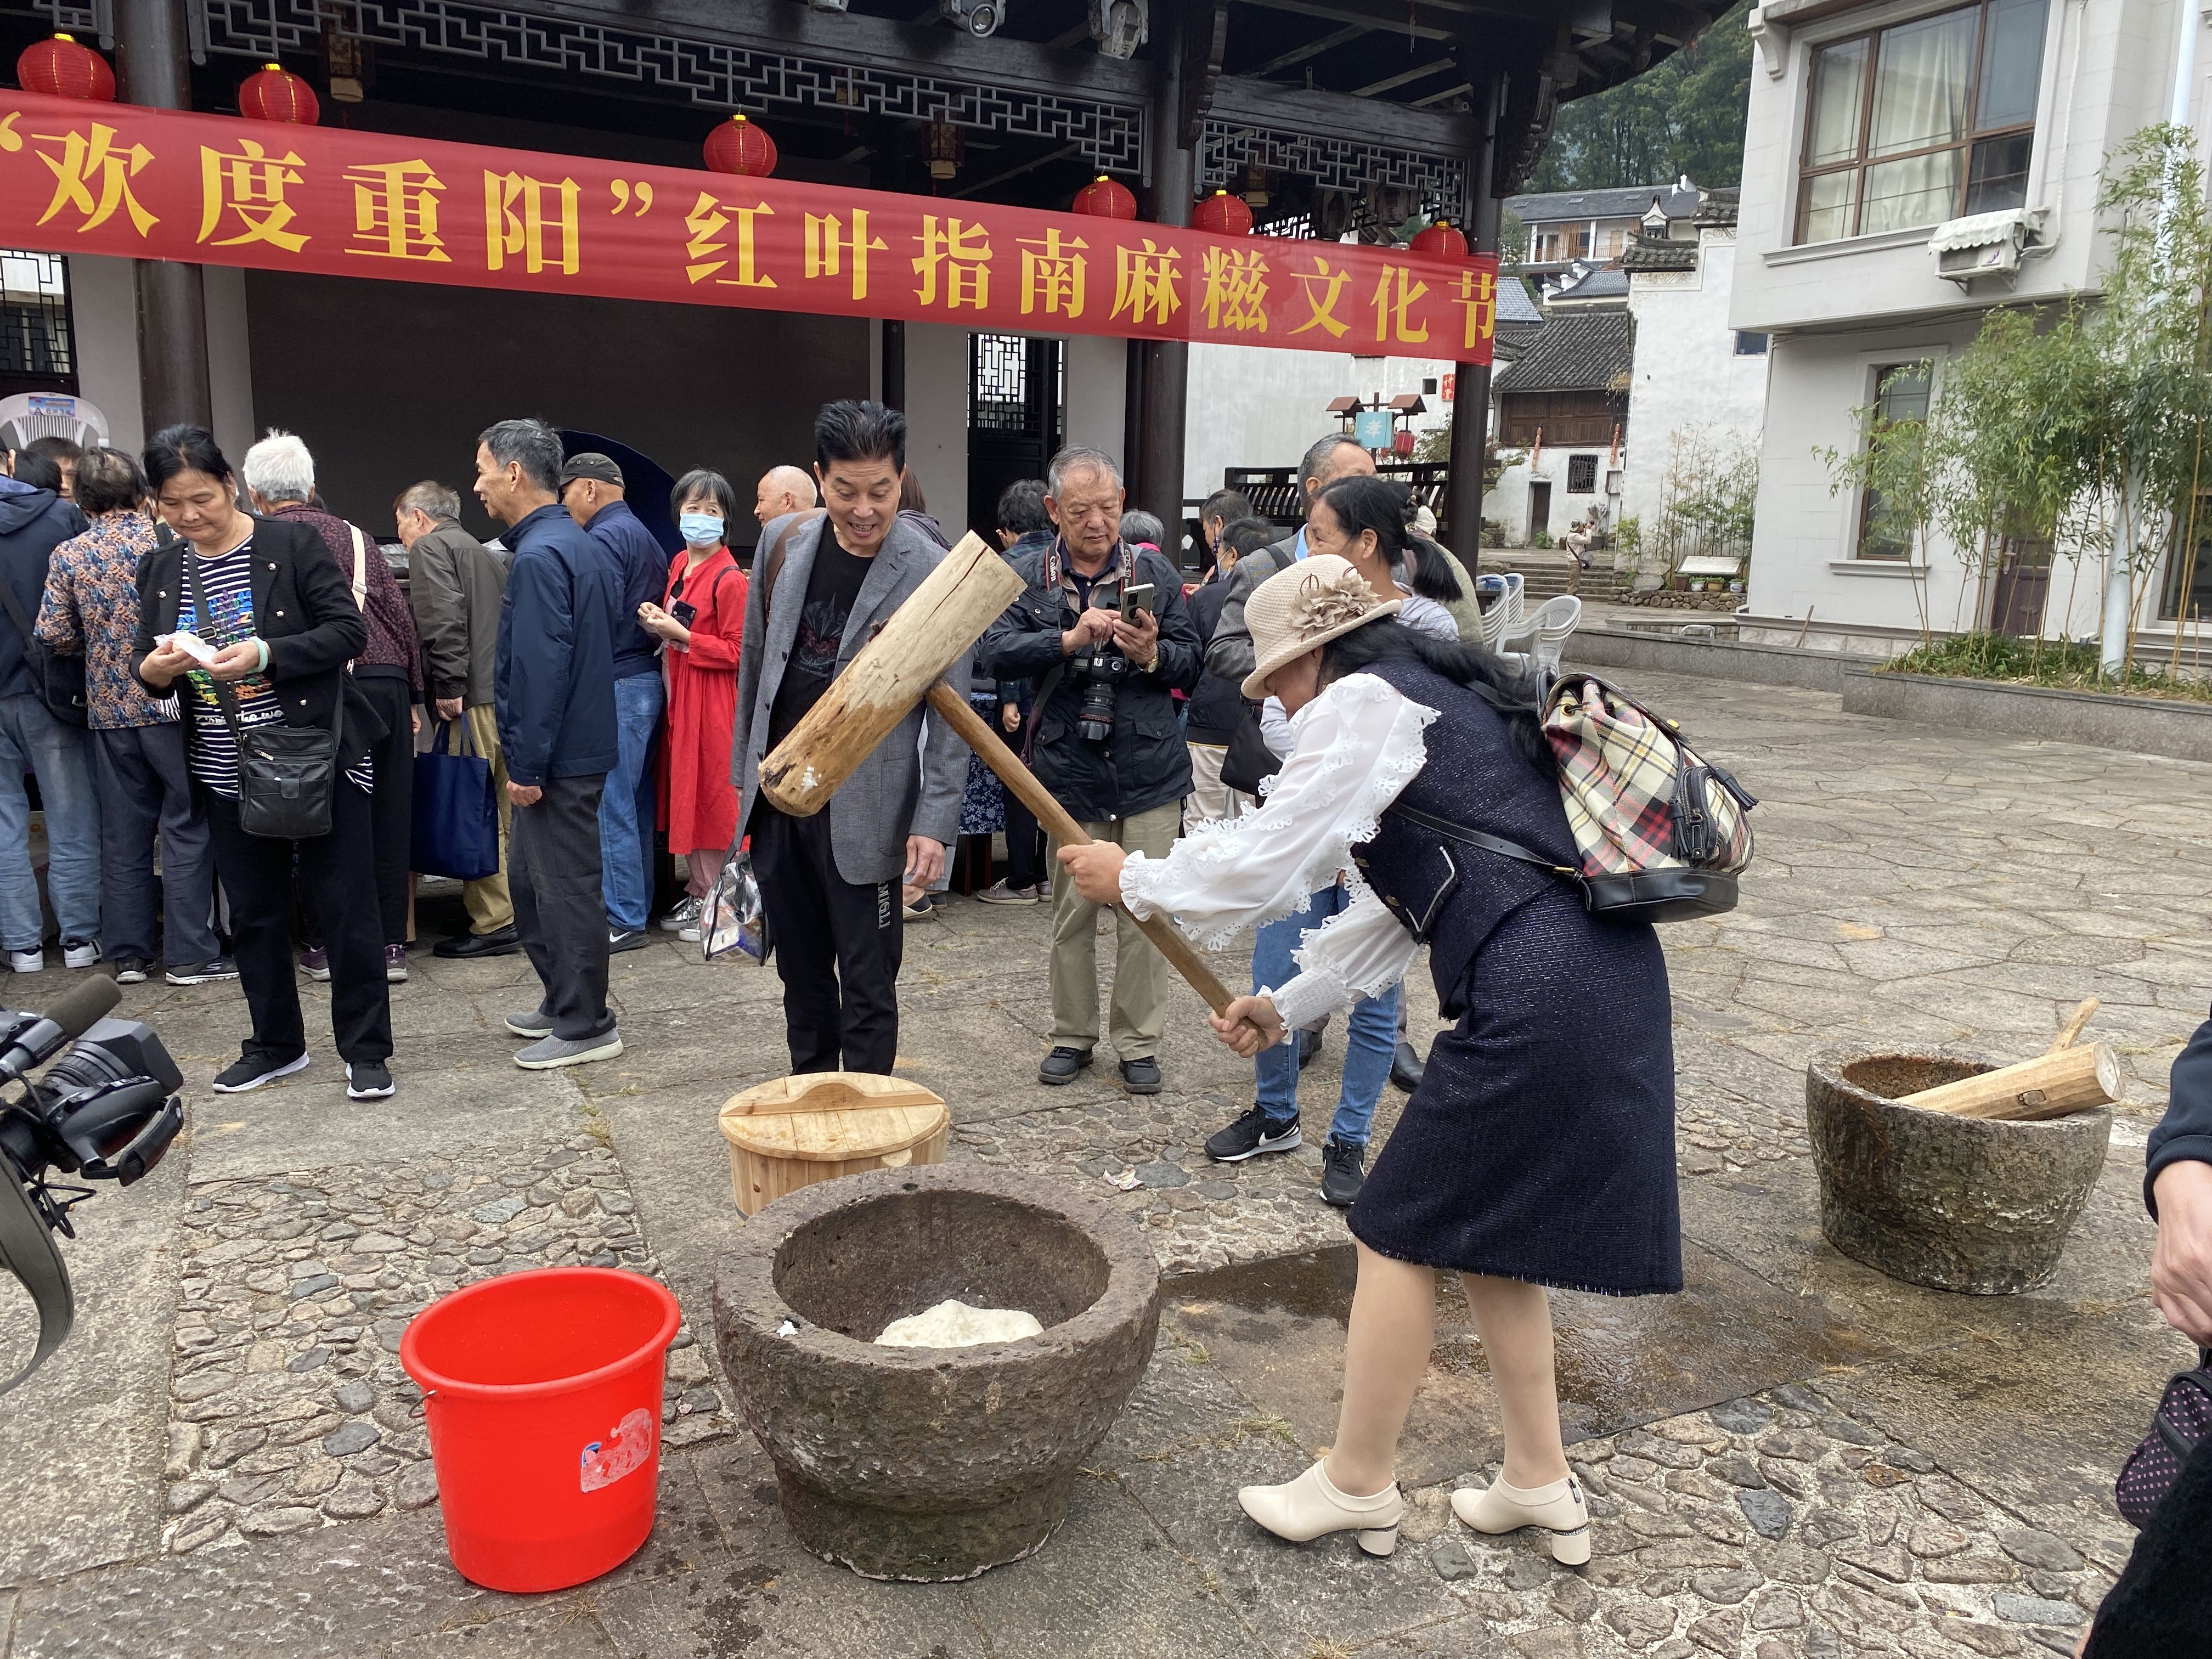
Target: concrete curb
x=1723 y=659
x=2146 y=725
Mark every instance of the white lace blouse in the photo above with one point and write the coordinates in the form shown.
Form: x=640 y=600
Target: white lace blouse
x=1358 y=744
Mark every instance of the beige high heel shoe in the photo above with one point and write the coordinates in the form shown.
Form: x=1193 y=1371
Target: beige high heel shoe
x=1308 y=1507
x=1559 y=1509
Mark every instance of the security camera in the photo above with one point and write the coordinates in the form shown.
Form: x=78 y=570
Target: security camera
x=980 y=18
x=1118 y=26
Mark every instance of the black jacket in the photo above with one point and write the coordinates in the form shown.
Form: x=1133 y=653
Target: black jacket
x=303 y=609
x=1144 y=764
x=1217 y=707
x=32 y=523
x=2185 y=1131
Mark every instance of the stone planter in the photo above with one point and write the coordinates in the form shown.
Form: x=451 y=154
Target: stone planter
x=932 y=1463
x=1956 y=1204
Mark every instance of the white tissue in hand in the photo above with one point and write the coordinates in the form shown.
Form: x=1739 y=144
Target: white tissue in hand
x=956 y=1325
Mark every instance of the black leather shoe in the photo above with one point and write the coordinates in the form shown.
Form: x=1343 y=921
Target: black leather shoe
x=1061 y=1065
x=505 y=942
x=1308 y=1046
x=1406 y=1067
x=1142 y=1077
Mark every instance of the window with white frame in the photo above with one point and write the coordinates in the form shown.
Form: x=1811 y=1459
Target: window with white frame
x=1911 y=125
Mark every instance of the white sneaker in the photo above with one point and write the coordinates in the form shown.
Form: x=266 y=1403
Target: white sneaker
x=27 y=962
x=79 y=953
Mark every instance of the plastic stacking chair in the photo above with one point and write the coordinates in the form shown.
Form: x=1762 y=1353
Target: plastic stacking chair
x=1496 y=619
x=1516 y=584
x=1544 y=635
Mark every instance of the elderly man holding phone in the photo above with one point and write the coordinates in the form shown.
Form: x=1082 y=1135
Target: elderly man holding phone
x=1102 y=630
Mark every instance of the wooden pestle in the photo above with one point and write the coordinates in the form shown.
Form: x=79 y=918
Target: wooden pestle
x=2069 y=1079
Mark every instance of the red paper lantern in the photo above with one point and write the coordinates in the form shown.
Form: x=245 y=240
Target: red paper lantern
x=1223 y=215
x=273 y=93
x=1441 y=237
x=1104 y=198
x=61 y=68
x=1402 y=441
x=738 y=146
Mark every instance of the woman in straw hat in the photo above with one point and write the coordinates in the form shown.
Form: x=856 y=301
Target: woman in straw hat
x=1540 y=1148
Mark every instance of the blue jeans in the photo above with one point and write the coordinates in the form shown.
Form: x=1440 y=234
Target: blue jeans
x=1368 y=1044
x=32 y=740
x=625 y=828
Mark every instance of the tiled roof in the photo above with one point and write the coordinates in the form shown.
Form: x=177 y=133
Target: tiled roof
x=1597 y=282
x=1630 y=203
x=1642 y=255
x=1513 y=305
x=1575 y=351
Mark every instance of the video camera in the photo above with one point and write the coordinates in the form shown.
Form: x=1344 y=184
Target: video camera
x=106 y=1110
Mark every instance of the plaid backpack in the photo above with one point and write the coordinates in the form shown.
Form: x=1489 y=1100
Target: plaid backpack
x=1661 y=832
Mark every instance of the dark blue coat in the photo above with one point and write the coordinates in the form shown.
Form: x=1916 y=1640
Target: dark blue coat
x=640 y=573
x=2186 y=1129
x=32 y=523
x=553 y=679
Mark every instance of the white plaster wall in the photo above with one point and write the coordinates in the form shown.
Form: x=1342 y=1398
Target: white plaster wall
x=1687 y=373
x=1508 y=500
x=1094 y=393
x=936 y=418
x=1265 y=406
x=2107 y=72
x=104 y=305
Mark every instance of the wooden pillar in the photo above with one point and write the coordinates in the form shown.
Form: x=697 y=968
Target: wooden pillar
x=173 y=349
x=1165 y=374
x=1470 y=438
x=1132 y=423
x=894 y=364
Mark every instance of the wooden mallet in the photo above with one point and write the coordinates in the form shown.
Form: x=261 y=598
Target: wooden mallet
x=901 y=665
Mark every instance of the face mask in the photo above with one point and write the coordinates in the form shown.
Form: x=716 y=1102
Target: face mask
x=700 y=529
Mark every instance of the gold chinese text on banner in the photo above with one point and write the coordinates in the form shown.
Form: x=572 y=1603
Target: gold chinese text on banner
x=142 y=184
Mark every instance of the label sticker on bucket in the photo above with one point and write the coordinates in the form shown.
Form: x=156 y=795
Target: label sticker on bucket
x=626 y=1448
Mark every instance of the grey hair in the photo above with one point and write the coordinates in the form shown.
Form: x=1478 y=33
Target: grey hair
x=279 y=468
x=532 y=445
x=1138 y=525
x=438 y=500
x=1317 y=458
x=1077 y=459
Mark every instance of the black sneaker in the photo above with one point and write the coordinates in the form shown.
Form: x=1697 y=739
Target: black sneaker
x=132 y=970
x=1061 y=1065
x=1406 y=1067
x=1250 y=1136
x=371 y=1079
x=251 y=1071
x=627 y=938
x=1343 y=1171
x=1142 y=1075
x=202 y=973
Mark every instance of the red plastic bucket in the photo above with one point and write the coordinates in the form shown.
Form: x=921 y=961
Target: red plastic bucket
x=543 y=1394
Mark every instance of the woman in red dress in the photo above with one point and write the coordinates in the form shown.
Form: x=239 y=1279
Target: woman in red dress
x=703 y=619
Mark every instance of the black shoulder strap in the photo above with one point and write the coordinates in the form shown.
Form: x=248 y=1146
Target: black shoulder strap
x=225 y=698
x=1512 y=850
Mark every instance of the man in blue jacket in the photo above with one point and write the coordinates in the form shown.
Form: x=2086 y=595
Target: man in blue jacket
x=554 y=697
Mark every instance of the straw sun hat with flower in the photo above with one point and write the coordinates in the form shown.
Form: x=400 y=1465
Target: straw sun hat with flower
x=1309 y=605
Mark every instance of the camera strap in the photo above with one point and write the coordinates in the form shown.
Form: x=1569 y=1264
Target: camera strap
x=27 y=1250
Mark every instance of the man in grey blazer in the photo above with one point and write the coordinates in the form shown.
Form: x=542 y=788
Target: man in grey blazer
x=831 y=882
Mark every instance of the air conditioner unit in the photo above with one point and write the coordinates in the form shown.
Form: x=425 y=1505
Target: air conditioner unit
x=1983 y=245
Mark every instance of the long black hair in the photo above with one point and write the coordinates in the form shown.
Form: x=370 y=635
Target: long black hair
x=1384 y=506
x=183 y=448
x=1513 y=692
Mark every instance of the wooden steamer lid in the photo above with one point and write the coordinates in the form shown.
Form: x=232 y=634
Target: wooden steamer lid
x=834 y=1117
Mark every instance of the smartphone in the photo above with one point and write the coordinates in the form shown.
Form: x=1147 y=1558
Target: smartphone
x=1135 y=598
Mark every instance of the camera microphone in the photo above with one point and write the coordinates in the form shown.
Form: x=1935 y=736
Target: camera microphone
x=73 y=1014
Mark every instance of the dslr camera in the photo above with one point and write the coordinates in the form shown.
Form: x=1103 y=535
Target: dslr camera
x=106 y=1110
x=1101 y=671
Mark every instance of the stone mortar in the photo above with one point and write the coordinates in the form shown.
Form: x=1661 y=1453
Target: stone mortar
x=932 y=1463
x=1979 y=1204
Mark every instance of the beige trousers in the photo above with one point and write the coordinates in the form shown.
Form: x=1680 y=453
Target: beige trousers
x=488 y=906
x=1209 y=796
x=1141 y=974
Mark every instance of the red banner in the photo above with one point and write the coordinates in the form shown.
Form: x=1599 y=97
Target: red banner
x=143 y=184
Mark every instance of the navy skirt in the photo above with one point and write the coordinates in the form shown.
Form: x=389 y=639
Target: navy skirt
x=1540 y=1144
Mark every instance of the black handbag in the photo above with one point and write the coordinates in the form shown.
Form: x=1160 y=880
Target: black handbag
x=286 y=773
x=2183 y=1418
x=1249 y=761
x=58 y=680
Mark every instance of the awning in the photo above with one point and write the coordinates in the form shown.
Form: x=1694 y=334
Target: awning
x=143 y=184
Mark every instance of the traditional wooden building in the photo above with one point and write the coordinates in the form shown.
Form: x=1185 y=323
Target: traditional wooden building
x=1325 y=116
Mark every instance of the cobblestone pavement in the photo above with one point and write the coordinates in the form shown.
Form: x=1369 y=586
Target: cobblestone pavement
x=1796 y=1459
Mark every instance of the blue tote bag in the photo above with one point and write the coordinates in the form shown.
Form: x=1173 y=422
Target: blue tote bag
x=456 y=829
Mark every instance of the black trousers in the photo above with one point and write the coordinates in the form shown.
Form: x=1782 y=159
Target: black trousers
x=257 y=875
x=553 y=871
x=392 y=808
x=837 y=945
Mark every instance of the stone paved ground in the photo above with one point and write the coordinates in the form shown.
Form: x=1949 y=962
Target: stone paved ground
x=1798 y=1457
